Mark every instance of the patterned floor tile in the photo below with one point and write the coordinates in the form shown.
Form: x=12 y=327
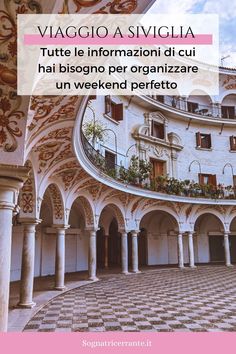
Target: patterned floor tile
x=161 y=300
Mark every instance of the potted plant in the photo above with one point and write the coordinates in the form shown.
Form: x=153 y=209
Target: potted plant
x=94 y=131
x=133 y=173
x=123 y=174
x=145 y=168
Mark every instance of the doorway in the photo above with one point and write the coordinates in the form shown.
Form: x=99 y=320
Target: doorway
x=216 y=246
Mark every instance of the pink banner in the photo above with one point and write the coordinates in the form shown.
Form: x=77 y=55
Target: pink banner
x=36 y=39
x=117 y=342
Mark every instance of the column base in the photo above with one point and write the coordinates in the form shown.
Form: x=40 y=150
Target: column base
x=181 y=267
x=229 y=265
x=125 y=273
x=93 y=278
x=60 y=288
x=193 y=267
x=26 y=306
x=135 y=271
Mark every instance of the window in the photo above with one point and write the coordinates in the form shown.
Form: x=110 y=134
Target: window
x=160 y=98
x=158 y=130
x=233 y=143
x=203 y=141
x=234 y=182
x=192 y=107
x=207 y=179
x=110 y=160
x=113 y=109
x=158 y=168
x=228 y=112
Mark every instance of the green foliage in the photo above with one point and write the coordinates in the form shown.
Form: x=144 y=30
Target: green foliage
x=94 y=131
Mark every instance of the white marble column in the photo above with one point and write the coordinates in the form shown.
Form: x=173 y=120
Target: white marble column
x=92 y=261
x=11 y=180
x=134 y=235
x=191 y=250
x=227 y=250
x=106 y=252
x=180 y=251
x=27 y=264
x=124 y=253
x=60 y=258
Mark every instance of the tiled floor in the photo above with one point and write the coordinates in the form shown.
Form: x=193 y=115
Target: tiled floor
x=154 y=300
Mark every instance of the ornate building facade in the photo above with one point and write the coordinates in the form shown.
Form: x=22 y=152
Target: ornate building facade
x=99 y=182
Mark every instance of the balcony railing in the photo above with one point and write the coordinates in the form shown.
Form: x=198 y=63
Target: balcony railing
x=161 y=184
x=196 y=108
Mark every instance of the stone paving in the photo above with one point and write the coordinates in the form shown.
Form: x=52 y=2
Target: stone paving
x=159 y=300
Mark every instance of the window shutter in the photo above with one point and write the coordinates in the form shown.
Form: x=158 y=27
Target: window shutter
x=198 y=139
x=209 y=137
x=201 y=178
x=93 y=97
x=107 y=104
x=117 y=111
x=213 y=180
x=162 y=131
x=232 y=143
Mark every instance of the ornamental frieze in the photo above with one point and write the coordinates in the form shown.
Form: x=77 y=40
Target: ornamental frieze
x=52 y=110
x=11 y=111
x=230 y=82
x=118 y=7
x=10 y=115
x=27 y=195
x=71 y=176
x=57 y=202
x=106 y=7
x=88 y=212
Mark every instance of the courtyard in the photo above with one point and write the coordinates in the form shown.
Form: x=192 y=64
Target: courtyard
x=157 y=300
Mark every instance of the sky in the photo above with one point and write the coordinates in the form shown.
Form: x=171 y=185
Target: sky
x=227 y=16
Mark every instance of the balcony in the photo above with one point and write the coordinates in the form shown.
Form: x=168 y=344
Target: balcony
x=139 y=175
x=217 y=111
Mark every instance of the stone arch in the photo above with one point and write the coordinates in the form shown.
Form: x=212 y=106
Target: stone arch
x=116 y=213
x=55 y=195
x=228 y=103
x=162 y=221
x=226 y=93
x=193 y=218
x=209 y=231
x=158 y=237
x=86 y=210
x=111 y=224
x=140 y=214
x=201 y=93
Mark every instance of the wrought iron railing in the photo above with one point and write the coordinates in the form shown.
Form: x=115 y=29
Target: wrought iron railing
x=161 y=184
x=194 y=107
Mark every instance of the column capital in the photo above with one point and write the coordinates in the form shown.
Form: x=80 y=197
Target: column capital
x=134 y=233
x=60 y=226
x=30 y=221
x=13 y=174
x=124 y=234
x=11 y=180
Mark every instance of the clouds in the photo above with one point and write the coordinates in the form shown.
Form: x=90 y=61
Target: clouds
x=226 y=9
x=174 y=6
